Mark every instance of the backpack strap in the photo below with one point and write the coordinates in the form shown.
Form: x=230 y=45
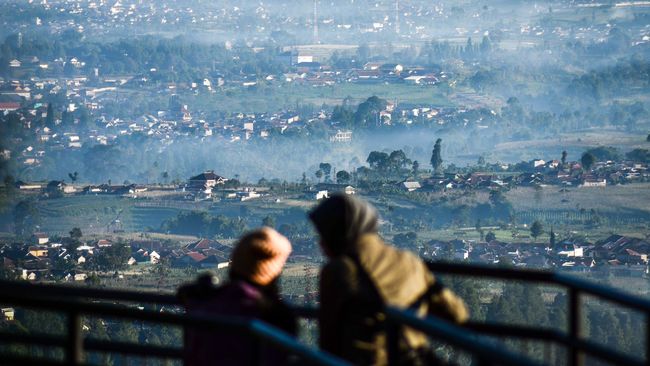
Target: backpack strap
x=363 y=274
x=431 y=290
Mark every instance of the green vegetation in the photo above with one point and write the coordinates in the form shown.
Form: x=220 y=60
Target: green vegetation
x=588 y=159
x=436 y=158
x=201 y=223
x=639 y=155
x=536 y=229
x=26 y=218
x=275 y=96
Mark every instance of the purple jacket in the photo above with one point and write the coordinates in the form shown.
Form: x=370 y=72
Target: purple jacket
x=240 y=299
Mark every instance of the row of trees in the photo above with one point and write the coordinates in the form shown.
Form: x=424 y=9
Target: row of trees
x=174 y=59
x=201 y=223
x=383 y=165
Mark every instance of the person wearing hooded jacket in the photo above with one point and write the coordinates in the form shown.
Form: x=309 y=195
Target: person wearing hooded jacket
x=362 y=275
x=251 y=293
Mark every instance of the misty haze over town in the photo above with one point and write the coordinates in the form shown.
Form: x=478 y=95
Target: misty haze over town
x=139 y=139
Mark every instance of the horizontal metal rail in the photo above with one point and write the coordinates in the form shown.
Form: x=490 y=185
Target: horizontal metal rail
x=66 y=291
x=56 y=341
x=543 y=276
x=459 y=337
x=254 y=328
x=68 y=299
x=525 y=332
x=9 y=359
x=553 y=335
x=575 y=287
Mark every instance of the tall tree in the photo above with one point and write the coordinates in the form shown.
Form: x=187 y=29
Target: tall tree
x=536 y=229
x=75 y=240
x=49 y=119
x=367 y=114
x=588 y=159
x=486 y=46
x=26 y=217
x=327 y=170
x=76 y=233
x=415 y=169
x=436 y=156
x=342 y=177
x=397 y=160
x=377 y=160
x=552 y=238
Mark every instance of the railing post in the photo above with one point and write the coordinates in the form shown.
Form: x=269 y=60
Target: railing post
x=74 y=347
x=647 y=339
x=575 y=317
x=392 y=342
x=256 y=351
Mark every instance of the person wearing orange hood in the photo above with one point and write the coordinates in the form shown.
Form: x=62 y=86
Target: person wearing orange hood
x=251 y=292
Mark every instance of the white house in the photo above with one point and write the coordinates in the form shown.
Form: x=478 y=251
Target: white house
x=411 y=186
x=154 y=257
x=594 y=183
x=207 y=179
x=321 y=194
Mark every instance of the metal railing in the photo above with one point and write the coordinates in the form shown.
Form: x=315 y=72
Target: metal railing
x=80 y=301
x=573 y=341
x=77 y=302
x=483 y=352
x=74 y=302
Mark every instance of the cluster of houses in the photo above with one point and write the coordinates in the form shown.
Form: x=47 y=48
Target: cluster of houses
x=615 y=253
x=306 y=71
x=43 y=259
x=205 y=186
x=538 y=172
x=211 y=186
x=26 y=98
x=406 y=21
x=40 y=258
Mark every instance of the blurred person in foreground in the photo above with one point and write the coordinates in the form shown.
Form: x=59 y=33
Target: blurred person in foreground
x=361 y=276
x=251 y=292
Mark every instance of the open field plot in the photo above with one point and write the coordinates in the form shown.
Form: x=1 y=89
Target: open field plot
x=574 y=143
x=91 y=213
x=109 y=214
x=584 y=139
x=620 y=199
x=472 y=234
x=100 y=214
x=263 y=98
x=597 y=212
x=299 y=279
x=142 y=218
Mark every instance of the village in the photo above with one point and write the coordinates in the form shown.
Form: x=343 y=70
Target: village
x=57 y=256
x=39 y=259
x=504 y=143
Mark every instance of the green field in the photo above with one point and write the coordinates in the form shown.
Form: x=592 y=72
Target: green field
x=594 y=212
x=98 y=214
x=274 y=97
